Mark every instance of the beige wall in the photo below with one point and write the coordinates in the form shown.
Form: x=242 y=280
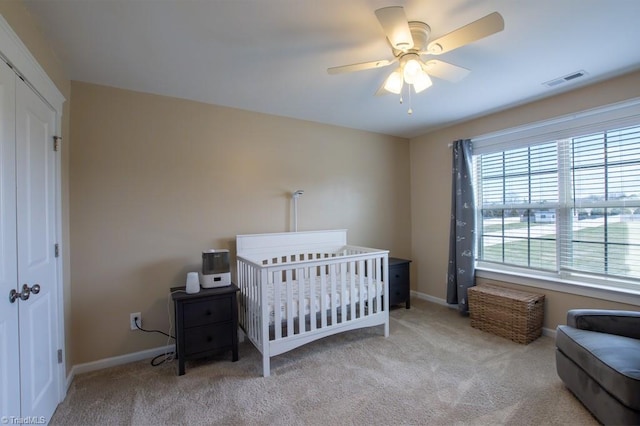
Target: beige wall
x=156 y=180
x=29 y=33
x=431 y=184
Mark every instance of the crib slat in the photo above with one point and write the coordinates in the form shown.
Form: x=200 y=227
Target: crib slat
x=343 y=293
x=241 y=280
x=361 y=275
x=247 y=288
x=255 y=301
x=352 y=289
x=379 y=276
x=277 y=295
x=263 y=319
x=289 y=304
x=300 y=275
x=313 y=300
x=385 y=277
x=379 y=271
x=371 y=282
x=323 y=298
x=251 y=302
x=334 y=295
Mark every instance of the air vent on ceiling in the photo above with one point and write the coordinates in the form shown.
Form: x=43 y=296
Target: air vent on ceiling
x=566 y=79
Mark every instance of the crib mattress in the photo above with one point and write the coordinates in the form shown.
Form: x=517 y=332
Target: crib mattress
x=370 y=290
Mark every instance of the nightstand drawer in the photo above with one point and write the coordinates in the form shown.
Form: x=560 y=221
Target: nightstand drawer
x=208 y=337
x=398 y=280
x=207 y=312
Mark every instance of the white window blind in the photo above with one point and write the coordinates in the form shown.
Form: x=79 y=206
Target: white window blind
x=563 y=199
x=518 y=194
x=603 y=236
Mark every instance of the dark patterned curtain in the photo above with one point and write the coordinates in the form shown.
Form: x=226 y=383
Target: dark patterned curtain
x=461 y=273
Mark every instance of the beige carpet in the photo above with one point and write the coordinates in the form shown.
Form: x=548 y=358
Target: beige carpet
x=433 y=369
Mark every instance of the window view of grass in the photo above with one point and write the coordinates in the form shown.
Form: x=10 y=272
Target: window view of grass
x=513 y=244
x=539 y=254
x=597 y=245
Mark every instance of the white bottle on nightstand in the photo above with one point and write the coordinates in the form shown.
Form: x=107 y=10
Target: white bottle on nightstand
x=193 y=282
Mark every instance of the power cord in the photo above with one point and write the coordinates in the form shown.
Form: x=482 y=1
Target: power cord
x=151 y=331
x=167 y=356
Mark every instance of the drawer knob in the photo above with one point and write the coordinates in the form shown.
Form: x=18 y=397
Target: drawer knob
x=209 y=338
x=397 y=276
x=208 y=312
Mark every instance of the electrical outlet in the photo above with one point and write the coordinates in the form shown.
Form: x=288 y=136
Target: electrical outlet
x=132 y=320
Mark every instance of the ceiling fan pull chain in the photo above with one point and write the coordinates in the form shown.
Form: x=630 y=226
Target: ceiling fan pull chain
x=410 y=111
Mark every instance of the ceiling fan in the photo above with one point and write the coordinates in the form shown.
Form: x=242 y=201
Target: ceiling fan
x=409 y=42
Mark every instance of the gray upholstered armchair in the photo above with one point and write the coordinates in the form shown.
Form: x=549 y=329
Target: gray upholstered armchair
x=598 y=359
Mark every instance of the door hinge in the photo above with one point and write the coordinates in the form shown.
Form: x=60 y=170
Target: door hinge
x=56 y=142
x=59 y=356
x=56 y=250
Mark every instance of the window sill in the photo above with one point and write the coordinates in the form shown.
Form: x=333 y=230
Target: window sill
x=597 y=291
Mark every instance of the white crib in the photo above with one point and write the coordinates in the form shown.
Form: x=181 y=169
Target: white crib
x=297 y=287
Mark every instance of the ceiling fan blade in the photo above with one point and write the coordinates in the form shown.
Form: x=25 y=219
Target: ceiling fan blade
x=381 y=90
x=396 y=27
x=476 y=30
x=445 y=71
x=361 y=66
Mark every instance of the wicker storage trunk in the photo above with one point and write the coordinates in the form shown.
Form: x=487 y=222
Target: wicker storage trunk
x=513 y=314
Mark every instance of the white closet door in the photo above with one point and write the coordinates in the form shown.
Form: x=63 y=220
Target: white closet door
x=36 y=217
x=9 y=353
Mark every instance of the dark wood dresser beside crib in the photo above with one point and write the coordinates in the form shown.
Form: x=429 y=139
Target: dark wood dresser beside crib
x=399 y=282
x=206 y=323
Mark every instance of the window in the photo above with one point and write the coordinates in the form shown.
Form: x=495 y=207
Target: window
x=566 y=206
x=518 y=194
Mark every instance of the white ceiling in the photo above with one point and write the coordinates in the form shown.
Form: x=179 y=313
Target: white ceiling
x=271 y=56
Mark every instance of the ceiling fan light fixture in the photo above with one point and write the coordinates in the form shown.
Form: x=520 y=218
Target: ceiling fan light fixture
x=422 y=81
x=394 y=82
x=409 y=41
x=411 y=69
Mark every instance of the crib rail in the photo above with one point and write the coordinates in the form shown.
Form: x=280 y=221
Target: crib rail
x=289 y=300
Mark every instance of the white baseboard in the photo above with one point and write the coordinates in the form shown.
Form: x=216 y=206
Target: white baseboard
x=125 y=359
x=545 y=331
x=549 y=332
x=117 y=360
x=429 y=298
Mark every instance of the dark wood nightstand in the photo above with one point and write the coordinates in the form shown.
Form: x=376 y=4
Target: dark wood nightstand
x=206 y=323
x=399 y=282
